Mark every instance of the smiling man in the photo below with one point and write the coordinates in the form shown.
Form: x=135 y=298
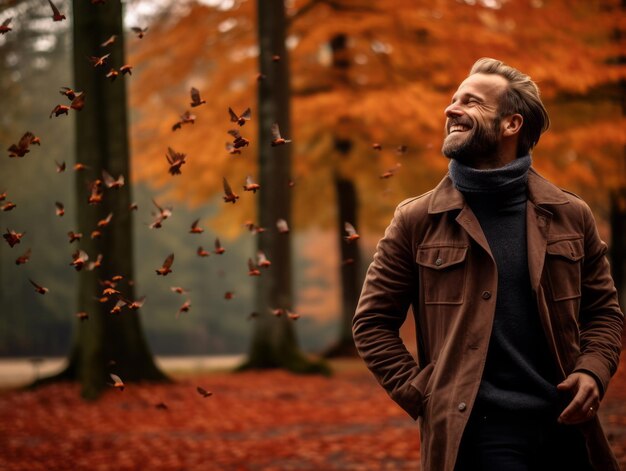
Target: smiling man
x=517 y=320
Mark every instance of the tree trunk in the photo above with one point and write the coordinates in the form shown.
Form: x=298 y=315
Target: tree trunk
x=347 y=210
x=104 y=343
x=274 y=343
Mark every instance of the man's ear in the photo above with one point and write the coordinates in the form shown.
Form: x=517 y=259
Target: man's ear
x=512 y=124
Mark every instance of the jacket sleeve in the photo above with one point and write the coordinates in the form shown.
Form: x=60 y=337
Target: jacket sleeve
x=601 y=320
x=389 y=285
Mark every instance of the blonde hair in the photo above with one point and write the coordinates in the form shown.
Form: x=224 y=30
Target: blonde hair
x=521 y=96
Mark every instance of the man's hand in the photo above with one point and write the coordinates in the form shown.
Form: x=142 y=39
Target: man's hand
x=586 y=398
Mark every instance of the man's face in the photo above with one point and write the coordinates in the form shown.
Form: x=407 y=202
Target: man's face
x=472 y=132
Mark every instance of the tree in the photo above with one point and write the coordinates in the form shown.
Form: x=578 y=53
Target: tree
x=273 y=342
x=105 y=343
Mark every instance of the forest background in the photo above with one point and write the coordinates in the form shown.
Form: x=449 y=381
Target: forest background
x=362 y=75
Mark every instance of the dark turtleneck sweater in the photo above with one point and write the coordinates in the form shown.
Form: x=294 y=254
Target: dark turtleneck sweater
x=519 y=371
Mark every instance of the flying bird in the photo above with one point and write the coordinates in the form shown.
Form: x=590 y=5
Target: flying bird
x=251 y=185
x=390 y=172
x=126 y=69
x=13 y=237
x=73 y=236
x=165 y=269
x=377 y=146
x=97 y=263
x=24 y=258
x=179 y=290
x=69 y=93
x=277 y=140
x=22 y=147
x=352 y=234
x=8 y=206
x=111 y=182
x=252 y=269
x=176 y=160
x=60 y=209
x=4 y=27
x=239 y=119
x=184 y=308
x=40 y=289
x=230 y=147
x=229 y=196
x=219 y=250
x=195 y=229
x=203 y=392
x=164 y=212
x=262 y=260
x=60 y=166
x=109 y=41
x=139 y=31
x=112 y=74
x=239 y=141
x=117 y=382
x=282 y=226
x=82 y=315
x=105 y=222
x=79 y=258
x=202 y=252
x=56 y=14
x=58 y=110
x=195 y=98
x=99 y=61
x=95 y=197
x=185 y=118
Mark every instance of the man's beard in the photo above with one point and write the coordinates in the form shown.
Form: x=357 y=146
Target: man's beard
x=481 y=143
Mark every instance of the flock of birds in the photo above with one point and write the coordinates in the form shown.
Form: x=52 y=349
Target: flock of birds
x=175 y=160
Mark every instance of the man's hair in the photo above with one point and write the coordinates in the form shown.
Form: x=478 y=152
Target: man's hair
x=521 y=96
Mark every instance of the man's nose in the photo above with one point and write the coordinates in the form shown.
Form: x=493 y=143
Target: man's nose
x=453 y=110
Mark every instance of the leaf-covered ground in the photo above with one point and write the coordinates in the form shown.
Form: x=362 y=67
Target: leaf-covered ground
x=252 y=421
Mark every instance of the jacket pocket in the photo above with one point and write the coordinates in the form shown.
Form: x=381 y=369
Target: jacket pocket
x=442 y=273
x=563 y=261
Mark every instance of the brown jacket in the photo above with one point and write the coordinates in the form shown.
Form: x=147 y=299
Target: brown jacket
x=435 y=258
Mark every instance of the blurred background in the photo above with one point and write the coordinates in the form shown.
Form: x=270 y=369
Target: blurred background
x=368 y=85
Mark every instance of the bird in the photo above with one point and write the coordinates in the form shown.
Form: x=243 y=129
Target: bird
x=68 y=92
x=219 y=250
x=56 y=14
x=8 y=206
x=179 y=290
x=105 y=222
x=390 y=172
x=377 y=146
x=229 y=196
x=176 y=160
x=165 y=268
x=164 y=212
x=109 y=41
x=99 y=61
x=79 y=258
x=40 y=289
x=251 y=185
x=58 y=110
x=352 y=234
x=262 y=260
x=185 y=118
x=139 y=31
x=22 y=147
x=4 y=27
x=73 y=236
x=97 y=263
x=126 y=69
x=117 y=382
x=203 y=392
x=111 y=182
x=24 y=258
x=95 y=196
x=12 y=237
x=195 y=98
x=252 y=269
x=82 y=316
x=60 y=166
x=229 y=295
x=292 y=315
x=277 y=140
x=239 y=119
x=195 y=229
x=282 y=226
x=239 y=141
x=232 y=150
x=401 y=149
x=202 y=252
x=118 y=307
x=184 y=308
x=112 y=74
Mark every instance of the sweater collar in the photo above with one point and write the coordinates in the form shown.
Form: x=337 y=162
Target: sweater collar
x=445 y=197
x=511 y=178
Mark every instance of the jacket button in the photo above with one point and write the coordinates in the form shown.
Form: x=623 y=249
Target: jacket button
x=438 y=262
x=462 y=406
x=486 y=295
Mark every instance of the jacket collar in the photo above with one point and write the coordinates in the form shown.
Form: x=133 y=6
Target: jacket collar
x=446 y=197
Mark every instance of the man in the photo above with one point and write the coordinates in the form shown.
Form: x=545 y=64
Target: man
x=517 y=320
